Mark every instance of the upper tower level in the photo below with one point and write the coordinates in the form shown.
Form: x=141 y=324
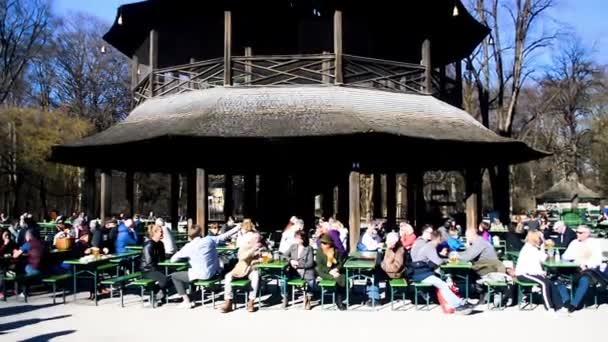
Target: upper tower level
x=179 y=45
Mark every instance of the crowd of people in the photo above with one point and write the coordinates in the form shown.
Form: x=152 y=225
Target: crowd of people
x=322 y=255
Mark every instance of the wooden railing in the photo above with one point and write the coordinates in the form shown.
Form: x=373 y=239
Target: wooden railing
x=293 y=70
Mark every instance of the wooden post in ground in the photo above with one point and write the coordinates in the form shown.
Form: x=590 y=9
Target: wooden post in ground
x=428 y=68
x=339 y=71
x=227 y=48
x=153 y=56
x=106 y=195
x=377 y=196
x=354 y=210
x=250 y=189
x=174 y=201
x=343 y=204
x=416 y=206
x=248 y=66
x=473 y=197
x=130 y=193
x=391 y=200
x=228 y=196
x=327 y=202
x=197 y=197
x=90 y=193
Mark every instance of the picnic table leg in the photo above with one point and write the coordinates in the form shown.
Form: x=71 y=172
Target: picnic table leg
x=95 y=284
x=75 y=276
x=466 y=283
x=283 y=281
x=373 y=285
x=347 y=289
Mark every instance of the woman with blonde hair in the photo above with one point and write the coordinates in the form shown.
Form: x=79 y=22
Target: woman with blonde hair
x=530 y=269
x=246 y=226
x=330 y=266
x=152 y=253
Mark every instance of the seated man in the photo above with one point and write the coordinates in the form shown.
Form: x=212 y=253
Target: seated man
x=424 y=261
x=481 y=253
x=587 y=253
x=565 y=235
x=370 y=241
x=126 y=236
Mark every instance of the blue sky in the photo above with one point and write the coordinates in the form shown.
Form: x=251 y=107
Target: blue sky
x=586 y=17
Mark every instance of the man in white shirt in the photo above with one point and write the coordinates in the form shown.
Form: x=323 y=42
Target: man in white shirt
x=371 y=240
x=586 y=252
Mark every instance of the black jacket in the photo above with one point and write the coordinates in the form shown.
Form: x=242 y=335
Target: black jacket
x=152 y=253
x=101 y=239
x=513 y=241
x=563 y=240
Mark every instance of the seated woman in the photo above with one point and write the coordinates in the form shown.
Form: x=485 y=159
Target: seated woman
x=330 y=266
x=250 y=254
x=370 y=241
x=288 y=235
x=302 y=261
x=529 y=268
x=246 y=226
x=7 y=246
x=393 y=263
x=424 y=261
x=152 y=253
x=408 y=237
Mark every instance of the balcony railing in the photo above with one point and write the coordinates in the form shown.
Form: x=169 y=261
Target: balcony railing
x=295 y=70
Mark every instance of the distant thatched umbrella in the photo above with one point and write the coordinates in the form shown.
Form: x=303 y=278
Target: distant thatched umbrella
x=567 y=190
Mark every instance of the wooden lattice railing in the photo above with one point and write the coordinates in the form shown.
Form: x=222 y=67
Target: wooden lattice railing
x=293 y=70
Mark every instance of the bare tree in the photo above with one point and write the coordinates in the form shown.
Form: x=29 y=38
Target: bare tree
x=499 y=69
x=23 y=31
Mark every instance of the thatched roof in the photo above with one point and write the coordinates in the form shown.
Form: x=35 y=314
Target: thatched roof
x=274 y=115
x=567 y=190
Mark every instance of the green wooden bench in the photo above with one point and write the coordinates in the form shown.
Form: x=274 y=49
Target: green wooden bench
x=493 y=286
x=57 y=279
x=525 y=287
x=327 y=285
x=106 y=267
x=144 y=284
x=396 y=285
x=297 y=285
x=211 y=285
x=241 y=285
x=119 y=284
x=425 y=290
x=22 y=279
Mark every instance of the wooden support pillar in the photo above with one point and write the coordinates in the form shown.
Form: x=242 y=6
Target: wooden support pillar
x=428 y=68
x=458 y=67
x=339 y=71
x=250 y=189
x=391 y=200
x=377 y=196
x=134 y=71
x=354 y=212
x=197 y=197
x=90 y=193
x=442 y=80
x=174 y=201
x=343 y=204
x=130 y=192
x=416 y=206
x=248 y=69
x=327 y=202
x=228 y=196
x=473 y=197
x=227 y=48
x=106 y=195
x=153 y=59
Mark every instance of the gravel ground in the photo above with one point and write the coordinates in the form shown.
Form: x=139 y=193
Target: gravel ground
x=39 y=320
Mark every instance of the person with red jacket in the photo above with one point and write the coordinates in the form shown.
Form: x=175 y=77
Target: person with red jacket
x=35 y=251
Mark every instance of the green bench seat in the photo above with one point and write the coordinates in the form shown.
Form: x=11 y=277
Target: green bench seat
x=23 y=279
x=146 y=283
x=325 y=284
x=525 y=287
x=492 y=286
x=425 y=291
x=395 y=285
x=241 y=285
x=56 y=279
x=119 y=283
x=297 y=283
x=209 y=284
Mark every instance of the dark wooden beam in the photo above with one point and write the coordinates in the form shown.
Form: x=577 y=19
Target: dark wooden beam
x=130 y=191
x=197 y=197
x=153 y=57
x=377 y=196
x=354 y=213
x=228 y=196
x=339 y=71
x=391 y=200
x=250 y=189
x=473 y=197
x=458 y=67
x=227 y=48
x=343 y=204
x=134 y=70
x=416 y=206
x=327 y=201
x=106 y=195
x=426 y=62
x=90 y=193
x=174 y=201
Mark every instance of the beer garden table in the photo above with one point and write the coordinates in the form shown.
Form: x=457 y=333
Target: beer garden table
x=460 y=270
x=355 y=270
x=87 y=268
x=565 y=268
x=275 y=269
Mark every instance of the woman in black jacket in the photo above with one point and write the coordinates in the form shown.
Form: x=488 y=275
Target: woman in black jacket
x=152 y=253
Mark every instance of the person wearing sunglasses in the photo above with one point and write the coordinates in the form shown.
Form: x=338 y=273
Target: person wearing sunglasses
x=587 y=253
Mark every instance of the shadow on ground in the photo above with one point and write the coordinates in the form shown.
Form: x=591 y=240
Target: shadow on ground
x=23 y=323
x=49 y=336
x=19 y=309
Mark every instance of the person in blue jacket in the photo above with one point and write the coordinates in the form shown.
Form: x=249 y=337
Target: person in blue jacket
x=126 y=236
x=454 y=243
